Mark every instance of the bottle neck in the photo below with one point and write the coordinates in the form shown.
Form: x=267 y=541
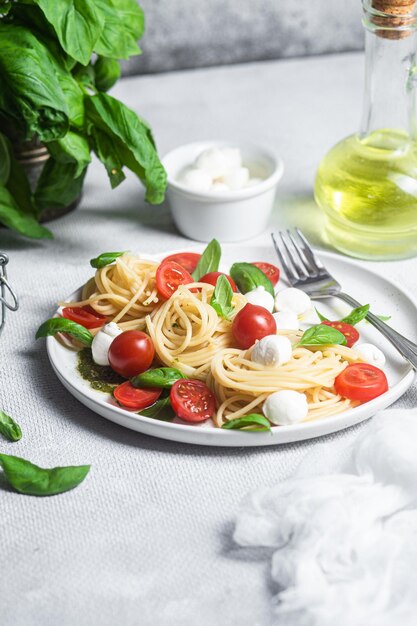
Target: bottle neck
x=390 y=73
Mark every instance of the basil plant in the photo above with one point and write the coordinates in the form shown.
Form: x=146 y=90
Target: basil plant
x=58 y=58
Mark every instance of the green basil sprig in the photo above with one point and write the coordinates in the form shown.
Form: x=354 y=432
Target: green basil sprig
x=321 y=317
x=221 y=300
x=248 y=277
x=163 y=377
x=356 y=315
x=105 y=259
x=209 y=260
x=29 y=479
x=322 y=335
x=161 y=410
x=9 y=428
x=62 y=325
x=250 y=423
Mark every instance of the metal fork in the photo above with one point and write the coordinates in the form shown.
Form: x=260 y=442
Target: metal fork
x=305 y=271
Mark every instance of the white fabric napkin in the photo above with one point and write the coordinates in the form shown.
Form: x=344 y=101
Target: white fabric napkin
x=344 y=545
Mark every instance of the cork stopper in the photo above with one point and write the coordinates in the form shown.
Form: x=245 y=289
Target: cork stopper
x=393 y=18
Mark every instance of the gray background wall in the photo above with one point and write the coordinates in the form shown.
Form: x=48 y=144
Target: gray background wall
x=194 y=33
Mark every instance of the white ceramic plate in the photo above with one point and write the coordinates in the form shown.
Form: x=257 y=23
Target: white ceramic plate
x=363 y=284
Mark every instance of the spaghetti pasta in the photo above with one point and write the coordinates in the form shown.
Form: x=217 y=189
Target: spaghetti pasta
x=125 y=291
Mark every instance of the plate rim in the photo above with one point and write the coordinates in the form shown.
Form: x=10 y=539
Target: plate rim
x=281 y=435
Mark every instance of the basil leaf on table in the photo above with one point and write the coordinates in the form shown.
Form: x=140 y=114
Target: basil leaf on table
x=62 y=325
x=248 y=277
x=29 y=479
x=322 y=335
x=321 y=317
x=105 y=259
x=9 y=428
x=106 y=73
x=123 y=26
x=209 y=260
x=161 y=410
x=250 y=423
x=356 y=315
x=132 y=141
x=221 y=300
x=163 y=377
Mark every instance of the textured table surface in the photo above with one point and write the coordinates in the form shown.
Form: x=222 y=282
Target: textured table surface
x=146 y=539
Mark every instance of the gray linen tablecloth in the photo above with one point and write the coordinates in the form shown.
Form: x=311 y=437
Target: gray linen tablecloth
x=146 y=539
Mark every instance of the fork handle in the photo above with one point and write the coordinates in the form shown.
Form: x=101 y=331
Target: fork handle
x=405 y=347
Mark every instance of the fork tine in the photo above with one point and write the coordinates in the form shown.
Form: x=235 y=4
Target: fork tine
x=292 y=256
x=304 y=265
x=287 y=268
x=308 y=252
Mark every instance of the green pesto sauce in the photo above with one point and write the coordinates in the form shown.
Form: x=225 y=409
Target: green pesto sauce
x=100 y=377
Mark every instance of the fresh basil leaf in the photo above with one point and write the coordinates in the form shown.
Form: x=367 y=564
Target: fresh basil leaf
x=221 y=300
x=73 y=148
x=9 y=428
x=57 y=185
x=5 y=7
x=384 y=318
x=163 y=377
x=31 y=480
x=322 y=335
x=356 y=315
x=123 y=26
x=249 y=423
x=4 y=160
x=132 y=141
x=248 y=277
x=321 y=317
x=30 y=93
x=161 y=410
x=73 y=96
x=13 y=217
x=104 y=149
x=105 y=259
x=77 y=24
x=62 y=325
x=106 y=73
x=209 y=260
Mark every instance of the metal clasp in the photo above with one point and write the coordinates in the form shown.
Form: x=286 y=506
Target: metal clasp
x=8 y=298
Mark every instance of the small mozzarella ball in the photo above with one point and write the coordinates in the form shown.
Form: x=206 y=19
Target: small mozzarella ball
x=260 y=297
x=233 y=157
x=272 y=351
x=217 y=186
x=237 y=179
x=286 y=407
x=196 y=179
x=371 y=354
x=216 y=162
x=286 y=320
x=292 y=299
x=102 y=342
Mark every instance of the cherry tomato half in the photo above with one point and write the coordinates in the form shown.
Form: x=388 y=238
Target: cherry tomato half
x=347 y=330
x=270 y=271
x=192 y=400
x=84 y=315
x=251 y=323
x=187 y=260
x=361 y=381
x=211 y=279
x=128 y=396
x=169 y=276
x=131 y=353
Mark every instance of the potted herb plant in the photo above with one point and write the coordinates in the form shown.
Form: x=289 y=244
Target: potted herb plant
x=58 y=58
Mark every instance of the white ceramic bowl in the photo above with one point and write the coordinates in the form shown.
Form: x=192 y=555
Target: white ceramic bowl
x=232 y=215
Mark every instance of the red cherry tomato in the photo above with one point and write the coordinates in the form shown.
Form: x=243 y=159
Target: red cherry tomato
x=347 y=330
x=131 y=398
x=84 y=315
x=211 y=279
x=192 y=400
x=187 y=260
x=251 y=323
x=361 y=381
x=131 y=353
x=269 y=270
x=169 y=276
